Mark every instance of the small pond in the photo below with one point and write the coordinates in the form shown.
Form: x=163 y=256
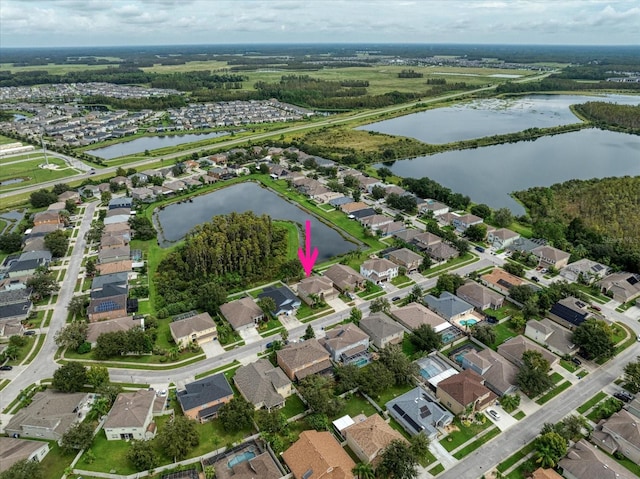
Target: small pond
x=176 y=220
x=150 y=143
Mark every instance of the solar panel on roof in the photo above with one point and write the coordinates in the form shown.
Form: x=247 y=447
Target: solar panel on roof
x=407 y=418
x=425 y=412
x=597 y=268
x=505 y=283
x=107 y=306
x=632 y=280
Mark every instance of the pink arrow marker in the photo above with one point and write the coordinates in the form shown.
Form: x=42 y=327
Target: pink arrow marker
x=307 y=258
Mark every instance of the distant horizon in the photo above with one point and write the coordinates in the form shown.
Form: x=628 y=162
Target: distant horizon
x=94 y=23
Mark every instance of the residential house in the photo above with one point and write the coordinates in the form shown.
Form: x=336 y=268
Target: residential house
x=49 y=415
x=44 y=256
x=500 y=280
x=363 y=213
x=131 y=417
x=34 y=244
x=111 y=255
x=368 y=438
x=143 y=194
x=406 y=259
x=242 y=313
x=569 y=312
x=584 y=461
x=202 y=399
x=501 y=238
x=549 y=256
x=433 y=208
x=262 y=466
x=117 y=215
x=424 y=241
x=138 y=179
x=350 y=208
x=526 y=245
x=69 y=195
x=20 y=268
x=117 y=229
x=263 y=385
x=480 y=297
x=175 y=186
x=461 y=223
x=342 y=200
x=115 y=267
x=314 y=288
x=419 y=413
x=556 y=338
x=90 y=191
x=8 y=329
x=391 y=228
x=448 y=306
x=285 y=299
x=442 y=252
x=414 y=315
x=299 y=360
x=13 y=450
x=109 y=290
x=125 y=323
x=584 y=271
x=396 y=190
x=619 y=433
x=46 y=218
x=367 y=183
x=465 y=391
x=107 y=308
x=317 y=455
x=375 y=222
x=347 y=344
x=326 y=197
x=633 y=407
x=198 y=329
x=345 y=279
x=56 y=207
x=42 y=230
x=446 y=219
x=622 y=287
x=382 y=330
x=513 y=349
x=122 y=202
x=541 y=473
x=379 y=270
x=113 y=241
x=498 y=373
x=15 y=305
x=407 y=235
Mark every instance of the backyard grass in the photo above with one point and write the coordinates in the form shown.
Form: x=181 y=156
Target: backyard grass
x=56 y=461
x=507 y=309
x=463 y=434
x=293 y=237
x=408 y=348
x=355 y=405
x=477 y=443
x=554 y=392
x=591 y=402
x=391 y=393
x=293 y=406
x=503 y=331
x=110 y=456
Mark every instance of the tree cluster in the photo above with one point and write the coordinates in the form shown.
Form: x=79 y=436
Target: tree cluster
x=119 y=343
x=533 y=376
x=595 y=339
x=142 y=228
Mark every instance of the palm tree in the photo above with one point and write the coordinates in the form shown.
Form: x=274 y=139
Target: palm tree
x=209 y=472
x=173 y=353
x=363 y=470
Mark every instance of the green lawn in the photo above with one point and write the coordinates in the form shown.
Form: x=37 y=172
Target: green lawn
x=506 y=464
x=109 y=456
x=569 y=366
x=355 y=405
x=304 y=311
x=32 y=174
x=591 y=402
x=467 y=258
x=293 y=406
x=401 y=281
x=234 y=365
x=507 y=309
x=554 y=392
x=23 y=351
x=519 y=415
x=370 y=290
x=503 y=331
x=391 y=393
x=556 y=378
x=468 y=449
x=55 y=462
x=434 y=471
x=293 y=237
x=270 y=327
x=463 y=434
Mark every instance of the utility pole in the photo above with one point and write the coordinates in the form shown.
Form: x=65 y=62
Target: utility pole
x=44 y=149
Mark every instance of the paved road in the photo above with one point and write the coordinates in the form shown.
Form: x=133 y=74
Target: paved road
x=43 y=366
x=489 y=455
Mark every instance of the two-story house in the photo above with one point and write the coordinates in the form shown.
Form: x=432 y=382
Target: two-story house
x=299 y=360
x=347 y=344
x=379 y=270
x=131 y=417
x=263 y=385
x=201 y=400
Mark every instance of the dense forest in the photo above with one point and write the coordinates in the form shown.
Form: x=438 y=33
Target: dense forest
x=611 y=115
x=556 y=83
x=598 y=218
x=229 y=252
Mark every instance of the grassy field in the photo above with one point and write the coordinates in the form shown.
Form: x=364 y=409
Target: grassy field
x=5 y=139
x=24 y=157
x=591 y=402
x=469 y=448
x=32 y=174
x=51 y=68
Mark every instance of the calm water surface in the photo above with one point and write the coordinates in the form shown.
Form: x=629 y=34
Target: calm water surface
x=178 y=219
x=490 y=117
x=490 y=173
x=150 y=143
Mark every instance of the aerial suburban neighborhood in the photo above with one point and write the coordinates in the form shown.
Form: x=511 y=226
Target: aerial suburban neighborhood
x=264 y=302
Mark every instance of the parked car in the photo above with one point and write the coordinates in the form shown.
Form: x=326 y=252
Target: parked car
x=623 y=396
x=494 y=414
x=395 y=298
x=535 y=278
x=492 y=320
x=480 y=249
x=597 y=308
x=576 y=361
x=30 y=332
x=6 y=367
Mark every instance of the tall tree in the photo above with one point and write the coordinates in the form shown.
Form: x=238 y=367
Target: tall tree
x=42 y=284
x=532 y=377
x=375 y=379
x=550 y=448
x=72 y=335
x=398 y=363
x=237 y=414
x=632 y=375
x=57 y=242
x=178 y=437
x=424 y=338
x=318 y=391
x=26 y=469
x=78 y=437
x=380 y=304
x=502 y=217
x=397 y=461
x=595 y=339
x=355 y=315
x=363 y=470
x=142 y=455
x=309 y=333
x=484 y=333
x=97 y=375
x=70 y=377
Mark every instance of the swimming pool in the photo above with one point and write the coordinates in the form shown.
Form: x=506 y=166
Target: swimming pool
x=361 y=362
x=468 y=322
x=448 y=337
x=245 y=456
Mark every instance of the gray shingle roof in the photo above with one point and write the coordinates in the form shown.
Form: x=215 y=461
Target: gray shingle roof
x=204 y=391
x=257 y=382
x=447 y=305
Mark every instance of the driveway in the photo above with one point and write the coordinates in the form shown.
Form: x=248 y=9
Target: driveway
x=505 y=421
x=250 y=335
x=212 y=349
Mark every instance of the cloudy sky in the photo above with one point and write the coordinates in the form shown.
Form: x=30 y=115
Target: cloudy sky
x=27 y=23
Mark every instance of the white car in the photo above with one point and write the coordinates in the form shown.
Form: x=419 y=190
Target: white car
x=494 y=414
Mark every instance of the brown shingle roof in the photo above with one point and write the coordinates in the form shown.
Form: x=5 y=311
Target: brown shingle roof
x=343 y=276
x=130 y=409
x=372 y=435
x=318 y=455
x=466 y=388
x=343 y=336
x=315 y=285
x=298 y=355
x=119 y=324
x=414 y=315
x=583 y=461
x=241 y=312
x=193 y=325
x=13 y=450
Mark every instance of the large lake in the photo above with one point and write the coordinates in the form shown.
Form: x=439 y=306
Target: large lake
x=149 y=143
x=490 y=117
x=490 y=173
x=178 y=219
